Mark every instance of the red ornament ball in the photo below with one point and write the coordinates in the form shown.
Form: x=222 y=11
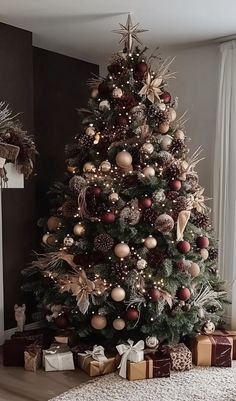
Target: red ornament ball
x=154 y=294
x=141 y=67
x=47 y=282
x=202 y=242
x=61 y=322
x=122 y=120
x=183 y=246
x=108 y=218
x=132 y=314
x=145 y=203
x=95 y=191
x=166 y=97
x=175 y=185
x=183 y=294
x=182 y=264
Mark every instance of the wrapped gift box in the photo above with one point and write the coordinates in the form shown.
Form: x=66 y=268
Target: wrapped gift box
x=41 y=336
x=13 y=352
x=130 y=352
x=58 y=357
x=80 y=348
x=96 y=363
x=212 y=351
x=33 y=357
x=69 y=337
x=180 y=357
x=158 y=365
x=137 y=370
x=228 y=334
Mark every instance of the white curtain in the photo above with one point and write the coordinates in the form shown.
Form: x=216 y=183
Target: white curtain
x=225 y=172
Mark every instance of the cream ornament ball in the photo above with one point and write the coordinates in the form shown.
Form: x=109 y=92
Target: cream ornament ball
x=118 y=294
x=141 y=264
x=104 y=105
x=117 y=93
x=114 y=197
x=152 y=342
x=163 y=128
x=179 y=134
x=45 y=238
x=194 y=269
x=89 y=167
x=118 y=324
x=171 y=114
x=99 y=322
x=124 y=159
x=105 y=166
x=162 y=106
x=68 y=241
x=150 y=242
x=204 y=253
x=122 y=250
x=166 y=142
x=148 y=171
x=147 y=148
x=79 y=229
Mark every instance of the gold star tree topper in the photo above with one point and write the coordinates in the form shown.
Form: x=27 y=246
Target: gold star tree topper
x=129 y=32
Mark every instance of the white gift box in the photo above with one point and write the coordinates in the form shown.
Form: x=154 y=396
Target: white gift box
x=130 y=352
x=55 y=359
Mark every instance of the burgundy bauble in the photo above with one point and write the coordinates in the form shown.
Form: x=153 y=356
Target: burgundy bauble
x=95 y=191
x=132 y=314
x=166 y=97
x=61 y=322
x=141 y=67
x=108 y=218
x=103 y=89
x=122 y=120
x=114 y=68
x=183 y=246
x=47 y=282
x=183 y=294
x=145 y=203
x=202 y=242
x=175 y=185
x=154 y=294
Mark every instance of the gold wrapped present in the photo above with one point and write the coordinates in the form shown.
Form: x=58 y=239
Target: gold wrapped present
x=212 y=351
x=130 y=352
x=138 y=370
x=96 y=363
x=32 y=357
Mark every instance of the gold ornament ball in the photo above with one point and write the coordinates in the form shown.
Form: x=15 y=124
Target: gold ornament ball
x=124 y=159
x=171 y=114
x=147 y=148
x=163 y=128
x=122 y=250
x=94 y=93
x=117 y=93
x=99 y=322
x=149 y=171
x=204 y=253
x=88 y=167
x=71 y=169
x=90 y=131
x=150 y=242
x=105 y=166
x=179 y=134
x=114 y=197
x=45 y=238
x=79 y=229
x=194 y=269
x=53 y=223
x=118 y=324
x=118 y=294
x=51 y=240
x=166 y=142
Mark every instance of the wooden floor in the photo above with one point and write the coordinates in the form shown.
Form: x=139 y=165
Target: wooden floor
x=18 y=385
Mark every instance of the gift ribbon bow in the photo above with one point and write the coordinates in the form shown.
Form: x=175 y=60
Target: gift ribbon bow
x=97 y=353
x=127 y=351
x=33 y=349
x=57 y=349
x=183 y=218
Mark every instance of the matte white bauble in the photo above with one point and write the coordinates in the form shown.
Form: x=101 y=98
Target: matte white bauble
x=88 y=167
x=147 y=148
x=117 y=93
x=148 y=171
x=118 y=324
x=171 y=114
x=152 y=342
x=118 y=294
x=122 y=250
x=141 y=264
x=150 y=242
x=114 y=197
x=99 y=322
x=124 y=159
x=68 y=241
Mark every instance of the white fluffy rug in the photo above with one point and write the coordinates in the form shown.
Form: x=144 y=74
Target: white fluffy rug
x=199 y=384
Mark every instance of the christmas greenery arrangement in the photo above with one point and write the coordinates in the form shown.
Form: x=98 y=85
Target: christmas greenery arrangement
x=129 y=247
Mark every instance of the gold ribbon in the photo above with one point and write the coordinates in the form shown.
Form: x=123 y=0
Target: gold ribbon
x=182 y=221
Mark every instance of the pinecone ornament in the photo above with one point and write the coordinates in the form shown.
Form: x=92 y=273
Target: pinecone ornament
x=149 y=216
x=103 y=242
x=161 y=117
x=172 y=195
x=86 y=141
x=213 y=253
x=179 y=204
x=177 y=147
x=172 y=171
x=202 y=220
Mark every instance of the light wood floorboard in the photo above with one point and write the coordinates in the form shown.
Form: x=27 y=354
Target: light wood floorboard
x=18 y=385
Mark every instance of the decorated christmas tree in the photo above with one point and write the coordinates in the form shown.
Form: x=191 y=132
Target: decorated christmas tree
x=129 y=248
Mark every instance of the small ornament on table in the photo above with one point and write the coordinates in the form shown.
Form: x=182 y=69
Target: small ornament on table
x=209 y=327
x=20 y=316
x=164 y=223
x=99 y=322
x=130 y=352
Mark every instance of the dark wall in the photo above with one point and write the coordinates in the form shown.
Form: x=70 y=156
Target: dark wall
x=16 y=88
x=59 y=88
x=46 y=87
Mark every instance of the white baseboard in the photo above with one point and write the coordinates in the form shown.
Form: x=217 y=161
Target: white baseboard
x=30 y=326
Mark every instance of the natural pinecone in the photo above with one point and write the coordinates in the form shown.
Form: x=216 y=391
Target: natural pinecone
x=213 y=253
x=172 y=171
x=202 y=220
x=152 y=111
x=103 y=242
x=161 y=117
x=171 y=195
x=69 y=209
x=149 y=216
x=164 y=158
x=177 y=147
x=180 y=204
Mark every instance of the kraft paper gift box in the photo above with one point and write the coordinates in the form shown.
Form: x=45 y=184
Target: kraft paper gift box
x=130 y=352
x=96 y=363
x=227 y=333
x=158 y=365
x=137 y=370
x=180 y=357
x=58 y=357
x=33 y=357
x=212 y=351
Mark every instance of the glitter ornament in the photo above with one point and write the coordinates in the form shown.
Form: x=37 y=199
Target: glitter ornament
x=76 y=183
x=118 y=294
x=183 y=247
x=179 y=134
x=89 y=167
x=152 y=342
x=53 y=223
x=166 y=142
x=79 y=230
x=202 y=242
x=147 y=148
x=159 y=196
x=68 y=241
x=138 y=113
x=164 y=223
x=103 y=242
x=148 y=171
x=163 y=128
x=105 y=166
x=149 y=216
x=117 y=93
x=104 y=105
x=150 y=242
x=164 y=158
x=209 y=327
x=141 y=264
x=122 y=250
x=99 y=322
x=114 y=197
x=118 y=324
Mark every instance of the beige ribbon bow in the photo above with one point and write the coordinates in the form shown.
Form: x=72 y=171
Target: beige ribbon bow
x=97 y=353
x=183 y=218
x=129 y=352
